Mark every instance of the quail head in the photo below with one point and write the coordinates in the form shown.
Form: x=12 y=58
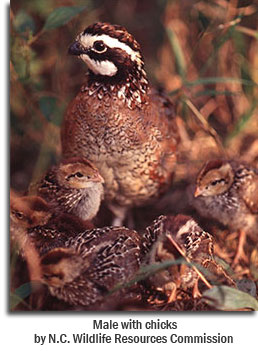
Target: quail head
x=118 y=121
x=181 y=237
x=227 y=191
x=74 y=186
x=91 y=265
x=31 y=221
x=26 y=212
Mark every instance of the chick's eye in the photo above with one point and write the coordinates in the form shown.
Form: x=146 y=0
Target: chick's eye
x=99 y=46
x=215 y=182
x=49 y=276
x=79 y=175
x=19 y=215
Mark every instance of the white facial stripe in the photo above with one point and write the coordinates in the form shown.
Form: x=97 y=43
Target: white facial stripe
x=104 y=68
x=87 y=40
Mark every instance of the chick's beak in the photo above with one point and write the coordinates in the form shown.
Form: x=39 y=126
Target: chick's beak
x=97 y=178
x=76 y=49
x=100 y=179
x=197 y=192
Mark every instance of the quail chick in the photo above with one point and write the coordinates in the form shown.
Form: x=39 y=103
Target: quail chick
x=34 y=231
x=74 y=186
x=79 y=265
x=88 y=266
x=181 y=237
x=91 y=265
x=26 y=212
x=227 y=191
x=82 y=266
x=31 y=221
x=118 y=121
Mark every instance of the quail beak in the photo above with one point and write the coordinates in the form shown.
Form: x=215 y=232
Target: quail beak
x=99 y=179
x=197 y=192
x=76 y=49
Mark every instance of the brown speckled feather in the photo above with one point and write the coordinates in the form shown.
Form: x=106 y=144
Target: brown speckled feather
x=111 y=256
x=194 y=244
x=227 y=191
x=122 y=125
x=249 y=192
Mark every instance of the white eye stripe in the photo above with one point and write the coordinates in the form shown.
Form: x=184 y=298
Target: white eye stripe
x=104 y=68
x=87 y=40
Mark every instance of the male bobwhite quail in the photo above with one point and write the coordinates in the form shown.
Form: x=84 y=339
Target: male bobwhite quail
x=120 y=123
x=227 y=191
x=74 y=186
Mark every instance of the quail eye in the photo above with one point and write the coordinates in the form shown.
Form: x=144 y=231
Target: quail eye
x=79 y=175
x=217 y=181
x=49 y=276
x=19 y=215
x=99 y=46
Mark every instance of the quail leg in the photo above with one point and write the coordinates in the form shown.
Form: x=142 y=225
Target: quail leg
x=170 y=289
x=196 y=291
x=240 y=254
x=119 y=213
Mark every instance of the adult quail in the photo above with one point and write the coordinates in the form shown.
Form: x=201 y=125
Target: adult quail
x=118 y=121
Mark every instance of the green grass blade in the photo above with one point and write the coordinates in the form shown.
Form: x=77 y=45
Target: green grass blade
x=19 y=295
x=214 y=80
x=229 y=299
x=178 y=52
x=220 y=42
x=62 y=15
x=146 y=271
x=211 y=92
x=240 y=125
